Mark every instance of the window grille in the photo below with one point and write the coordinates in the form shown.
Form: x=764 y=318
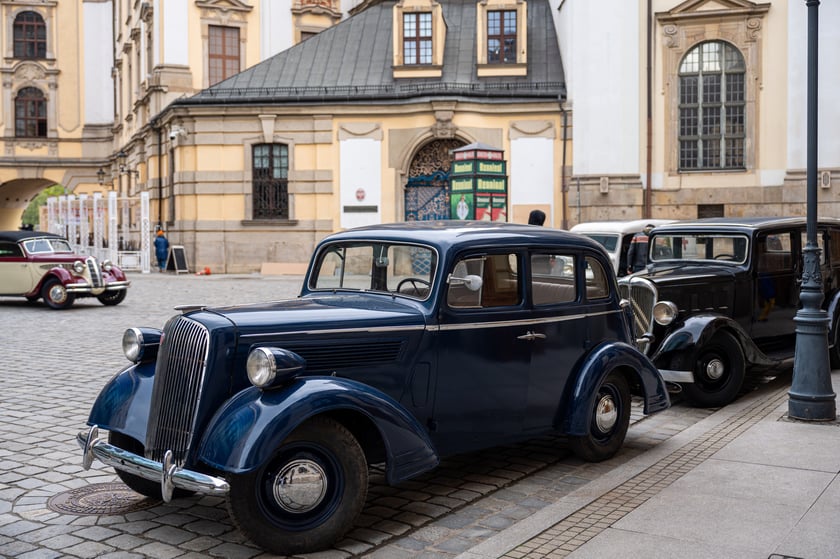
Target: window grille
x=271 y=181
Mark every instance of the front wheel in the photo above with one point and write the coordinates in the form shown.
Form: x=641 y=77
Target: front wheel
x=608 y=423
x=308 y=494
x=55 y=294
x=719 y=373
x=111 y=298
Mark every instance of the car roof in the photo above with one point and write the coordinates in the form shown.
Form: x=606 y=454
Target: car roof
x=618 y=226
x=17 y=236
x=445 y=234
x=744 y=223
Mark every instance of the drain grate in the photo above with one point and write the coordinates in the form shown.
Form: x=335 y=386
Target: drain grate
x=100 y=499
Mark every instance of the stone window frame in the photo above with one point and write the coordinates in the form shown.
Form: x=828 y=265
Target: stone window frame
x=433 y=70
x=231 y=13
x=40 y=121
x=21 y=26
x=487 y=69
x=737 y=22
x=46 y=9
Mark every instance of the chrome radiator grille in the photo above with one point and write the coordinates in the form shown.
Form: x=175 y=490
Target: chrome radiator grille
x=642 y=296
x=179 y=377
x=95 y=272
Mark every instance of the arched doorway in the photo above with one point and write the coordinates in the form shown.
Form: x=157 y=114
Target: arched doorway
x=426 y=192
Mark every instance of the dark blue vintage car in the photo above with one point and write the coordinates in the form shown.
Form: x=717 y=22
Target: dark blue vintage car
x=408 y=342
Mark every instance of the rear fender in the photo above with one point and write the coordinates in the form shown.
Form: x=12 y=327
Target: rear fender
x=123 y=403
x=603 y=359
x=252 y=425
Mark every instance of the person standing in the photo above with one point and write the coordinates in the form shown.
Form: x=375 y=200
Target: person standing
x=537 y=217
x=161 y=249
x=637 y=254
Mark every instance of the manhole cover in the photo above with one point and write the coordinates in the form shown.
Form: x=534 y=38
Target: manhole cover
x=100 y=499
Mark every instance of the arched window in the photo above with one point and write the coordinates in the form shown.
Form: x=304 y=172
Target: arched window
x=271 y=181
x=711 y=107
x=30 y=113
x=30 y=36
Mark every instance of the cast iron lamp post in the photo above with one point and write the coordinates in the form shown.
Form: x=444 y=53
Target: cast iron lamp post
x=811 y=396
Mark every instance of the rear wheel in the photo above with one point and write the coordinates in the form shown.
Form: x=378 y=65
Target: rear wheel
x=308 y=495
x=56 y=295
x=719 y=373
x=608 y=423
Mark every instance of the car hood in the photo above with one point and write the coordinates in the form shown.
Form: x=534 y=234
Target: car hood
x=687 y=274
x=321 y=312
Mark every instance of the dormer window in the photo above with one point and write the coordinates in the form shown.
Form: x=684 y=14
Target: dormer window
x=501 y=37
x=417 y=38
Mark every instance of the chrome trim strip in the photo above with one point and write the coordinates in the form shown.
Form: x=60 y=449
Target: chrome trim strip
x=521 y=322
x=669 y=375
x=374 y=329
x=110 y=455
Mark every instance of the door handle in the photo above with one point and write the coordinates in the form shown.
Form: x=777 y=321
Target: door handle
x=531 y=336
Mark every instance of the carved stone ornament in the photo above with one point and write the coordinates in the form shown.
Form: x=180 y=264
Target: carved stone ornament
x=29 y=72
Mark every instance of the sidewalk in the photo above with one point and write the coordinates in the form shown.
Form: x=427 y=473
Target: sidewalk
x=746 y=482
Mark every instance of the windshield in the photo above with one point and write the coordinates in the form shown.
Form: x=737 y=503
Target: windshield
x=375 y=266
x=728 y=248
x=606 y=240
x=36 y=246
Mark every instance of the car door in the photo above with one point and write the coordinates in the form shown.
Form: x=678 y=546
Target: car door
x=778 y=270
x=15 y=275
x=567 y=305
x=483 y=353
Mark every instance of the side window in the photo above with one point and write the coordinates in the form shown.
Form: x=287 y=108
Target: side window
x=597 y=286
x=773 y=252
x=10 y=250
x=552 y=279
x=499 y=284
x=834 y=247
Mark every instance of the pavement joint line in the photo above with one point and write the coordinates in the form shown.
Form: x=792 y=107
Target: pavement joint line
x=640 y=478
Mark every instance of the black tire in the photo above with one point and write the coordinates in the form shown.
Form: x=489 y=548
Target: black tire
x=32 y=298
x=332 y=486
x=111 y=298
x=55 y=295
x=834 y=350
x=138 y=484
x=719 y=372
x=608 y=423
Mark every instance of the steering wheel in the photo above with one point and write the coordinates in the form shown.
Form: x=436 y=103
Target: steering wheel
x=414 y=282
x=725 y=257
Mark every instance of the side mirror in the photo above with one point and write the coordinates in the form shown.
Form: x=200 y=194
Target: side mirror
x=470 y=281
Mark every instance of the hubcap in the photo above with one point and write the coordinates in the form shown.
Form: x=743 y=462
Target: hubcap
x=606 y=414
x=300 y=486
x=715 y=369
x=58 y=294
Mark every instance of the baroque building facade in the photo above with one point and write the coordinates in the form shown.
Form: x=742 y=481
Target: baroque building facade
x=258 y=127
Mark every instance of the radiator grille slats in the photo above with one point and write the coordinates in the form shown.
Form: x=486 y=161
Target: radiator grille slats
x=177 y=389
x=333 y=356
x=642 y=296
x=95 y=272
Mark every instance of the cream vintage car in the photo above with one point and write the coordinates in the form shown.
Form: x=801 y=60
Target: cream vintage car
x=39 y=265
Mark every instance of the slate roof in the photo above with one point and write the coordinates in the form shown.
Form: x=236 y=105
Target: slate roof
x=353 y=62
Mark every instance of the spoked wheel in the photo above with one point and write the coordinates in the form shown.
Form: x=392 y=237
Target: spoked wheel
x=609 y=420
x=111 y=298
x=308 y=495
x=718 y=373
x=55 y=294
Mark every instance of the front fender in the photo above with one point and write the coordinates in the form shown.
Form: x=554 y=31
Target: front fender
x=247 y=430
x=696 y=332
x=602 y=360
x=62 y=274
x=123 y=403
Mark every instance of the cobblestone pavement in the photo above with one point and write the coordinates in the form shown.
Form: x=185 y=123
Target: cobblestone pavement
x=55 y=362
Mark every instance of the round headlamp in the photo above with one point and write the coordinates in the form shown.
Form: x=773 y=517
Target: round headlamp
x=141 y=344
x=78 y=266
x=106 y=265
x=664 y=312
x=261 y=367
x=268 y=366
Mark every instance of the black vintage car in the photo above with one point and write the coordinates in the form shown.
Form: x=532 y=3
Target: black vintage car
x=718 y=298
x=409 y=342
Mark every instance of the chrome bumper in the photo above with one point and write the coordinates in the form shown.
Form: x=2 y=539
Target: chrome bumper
x=169 y=475
x=88 y=288
x=676 y=376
